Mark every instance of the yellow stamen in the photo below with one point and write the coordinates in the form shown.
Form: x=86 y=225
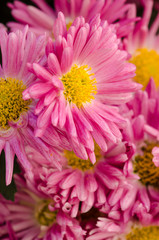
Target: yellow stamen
x=77 y=163
x=145 y=168
x=11 y=101
x=43 y=215
x=68 y=25
x=79 y=85
x=147 y=65
x=144 y=233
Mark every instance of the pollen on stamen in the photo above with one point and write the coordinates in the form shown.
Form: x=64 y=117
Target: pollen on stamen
x=145 y=168
x=43 y=214
x=83 y=165
x=147 y=62
x=144 y=233
x=79 y=85
x=68 y=25
x=11 y=101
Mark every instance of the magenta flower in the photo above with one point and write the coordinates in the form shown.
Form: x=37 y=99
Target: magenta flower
x=17 y=120
x=85 y=75
x=41 y=18
x=80 y=185
x=138 y=196
x=33 y=216
x=107 y=229
x=143 y=113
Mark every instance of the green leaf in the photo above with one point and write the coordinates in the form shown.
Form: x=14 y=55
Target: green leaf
x=7 y=191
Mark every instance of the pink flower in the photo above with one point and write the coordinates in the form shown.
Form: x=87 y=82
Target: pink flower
x=32 y=216
x=133 y=200
x=106 y=229
x=143 y=114
x=138 y=196
x=113 y=230
x=141 y=36
x=80 y=185
x=144 y=2
x=83 y=108
x=42 y=19
x=17 y=120
x=143 y=45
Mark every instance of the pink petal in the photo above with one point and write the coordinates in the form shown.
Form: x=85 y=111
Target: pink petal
x=54 y=65
x=9 y=154
x=155 y=152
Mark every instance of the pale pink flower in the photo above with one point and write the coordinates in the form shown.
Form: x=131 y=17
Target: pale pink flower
x=32 y=216
x=41 y=18
x=85 y=75
x=17 y=120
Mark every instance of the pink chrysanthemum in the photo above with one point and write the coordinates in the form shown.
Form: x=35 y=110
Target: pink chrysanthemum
x=107 y=229
x=143 y=45
x=32 y=216
x=16 y=115
x=42 y=19
x=80 y=185
x=84 y=76
x=143 y=114
x=138 y=196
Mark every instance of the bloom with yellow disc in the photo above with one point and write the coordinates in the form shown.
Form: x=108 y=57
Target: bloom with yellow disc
x=142 y=43
x=17 y=119
x=86 y=77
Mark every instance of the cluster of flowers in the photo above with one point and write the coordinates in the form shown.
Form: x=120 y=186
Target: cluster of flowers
x=79 y=107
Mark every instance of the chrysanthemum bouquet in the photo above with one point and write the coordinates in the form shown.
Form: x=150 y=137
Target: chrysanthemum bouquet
x=79 y=120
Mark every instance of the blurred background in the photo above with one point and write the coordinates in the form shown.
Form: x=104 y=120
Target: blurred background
x=5 y=13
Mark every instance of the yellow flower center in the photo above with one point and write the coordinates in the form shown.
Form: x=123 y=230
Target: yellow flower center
x=145 y=168
x=147 y=65
x=68 y=25
x=77 y=163
x=79 y=87
x=11 y=101
x=43 y=215
x=144 y=233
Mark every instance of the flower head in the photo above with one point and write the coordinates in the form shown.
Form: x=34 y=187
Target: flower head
x=80 y=185
x=33 y=216
x=139 y=198
x=85 y=75
x=142 y=44
x=143 y=113
x=17 y=119
x=42 y=18
x=113 y=230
